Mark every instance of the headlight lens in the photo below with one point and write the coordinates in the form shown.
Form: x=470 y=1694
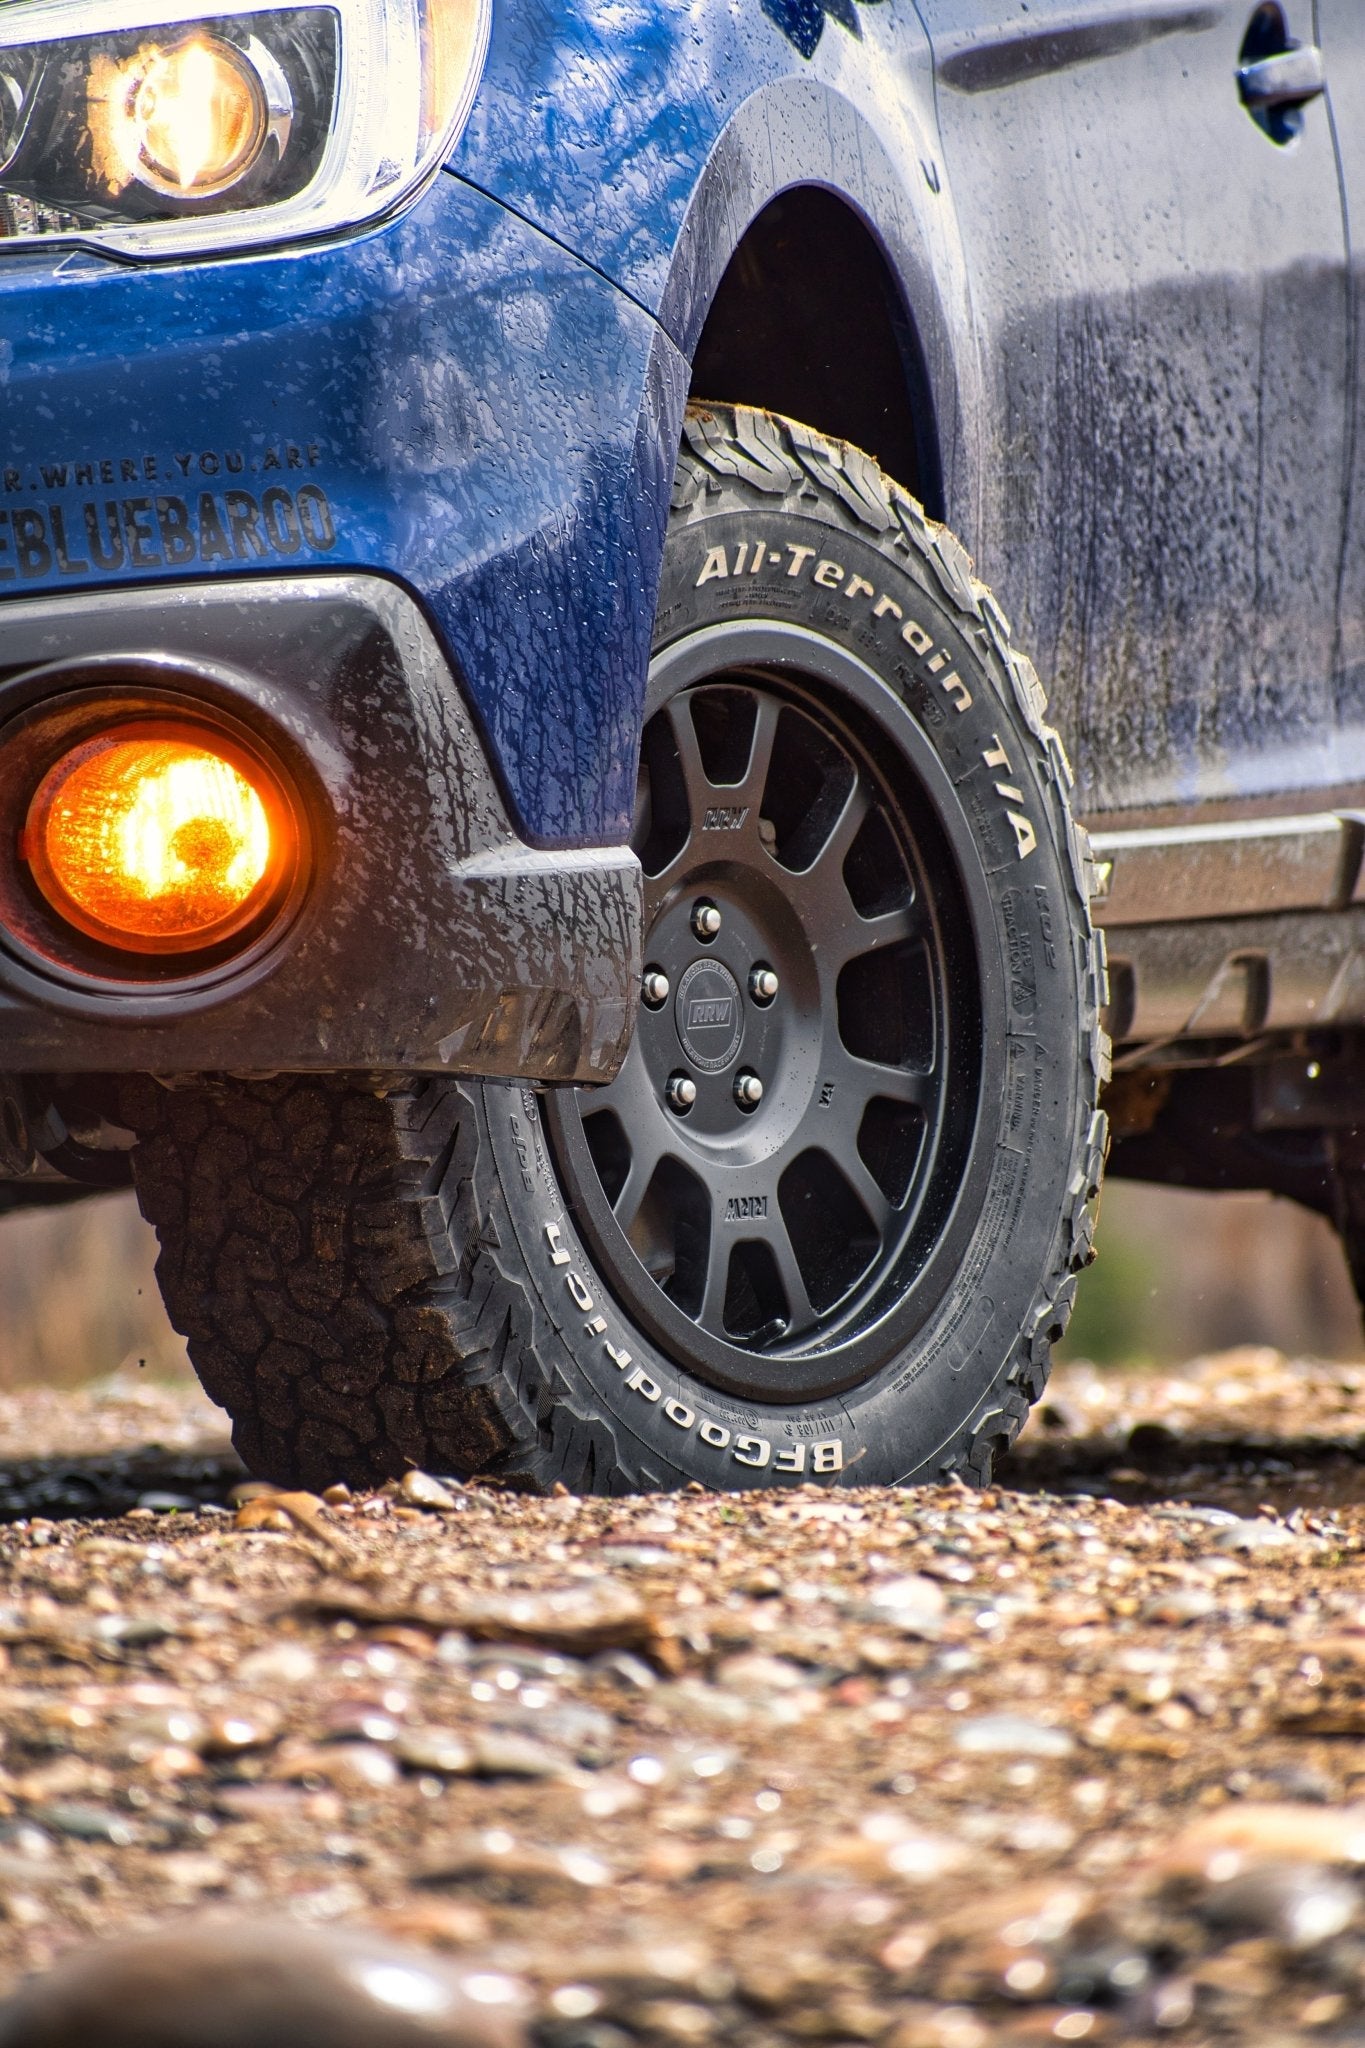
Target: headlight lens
x=164 y=135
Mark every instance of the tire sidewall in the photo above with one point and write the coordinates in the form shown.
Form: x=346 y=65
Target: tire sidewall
x=944 y=681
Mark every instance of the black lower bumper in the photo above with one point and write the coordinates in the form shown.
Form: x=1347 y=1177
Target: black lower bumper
x=430 y=936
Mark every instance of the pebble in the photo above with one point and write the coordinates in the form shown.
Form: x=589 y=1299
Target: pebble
x=1300 y=1904
x=265 y=1984
x=1011 y=1735
x=420 y=1490
x=346 y=1766
x=1252 y=1537
x=581 y=1619
x=232 y=1732
x=439 y=1750
x=500 y=1754
x=502 y=1868
x=912 y=1605
x=282 y=1663
x=1246 y=1832
x=87 y=1823
x=1181 y=1606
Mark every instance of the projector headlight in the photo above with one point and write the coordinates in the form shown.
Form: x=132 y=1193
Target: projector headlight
x=158 y=130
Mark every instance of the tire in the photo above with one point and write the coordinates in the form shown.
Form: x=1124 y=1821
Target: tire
x=855 y=1276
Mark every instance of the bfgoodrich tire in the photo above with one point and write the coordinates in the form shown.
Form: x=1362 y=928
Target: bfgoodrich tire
x=827 y=1221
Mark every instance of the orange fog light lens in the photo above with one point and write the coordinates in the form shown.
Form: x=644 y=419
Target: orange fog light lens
x=153 y=841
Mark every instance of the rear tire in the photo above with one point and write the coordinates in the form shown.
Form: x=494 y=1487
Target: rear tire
x=825 y=1229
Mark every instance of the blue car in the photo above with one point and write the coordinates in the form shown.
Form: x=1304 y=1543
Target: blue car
x=523 y=834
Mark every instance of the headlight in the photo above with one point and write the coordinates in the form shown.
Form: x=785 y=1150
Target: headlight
x=154 y=130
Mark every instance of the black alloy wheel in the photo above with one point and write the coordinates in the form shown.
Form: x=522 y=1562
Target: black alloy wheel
x=768 y=1174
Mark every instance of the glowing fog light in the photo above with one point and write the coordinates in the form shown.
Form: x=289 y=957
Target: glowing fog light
x=151 y=838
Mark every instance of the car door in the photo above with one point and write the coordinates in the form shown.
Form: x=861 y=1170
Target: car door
x=1160 y=301
x=1341 y=33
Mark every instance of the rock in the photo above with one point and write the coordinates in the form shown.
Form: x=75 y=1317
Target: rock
x=755 y=1674
x=285 y=1663
x=169 y=1503
x=1180 y=1605
x=242 y=1986
x=270 y=1804
x=87 y=1824
x=1299 y=1904
x=1011 y=1735
x=438 y=1750
x=495 y=1753
x=357 y=1721
x=501 y=1754
x=580 y=1620
x=1252 y=1538
x=346 y=1766
x=515 y=1873
x=420 y=1490
x=887 y=1847
x=1239 y=1836
x=1154 y=1447
x=252 y=1725
x=912 y=1605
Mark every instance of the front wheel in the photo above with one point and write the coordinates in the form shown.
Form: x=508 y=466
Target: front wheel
x=826 y=1220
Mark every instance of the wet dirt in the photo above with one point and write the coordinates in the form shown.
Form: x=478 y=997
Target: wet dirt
x=1079 y=1758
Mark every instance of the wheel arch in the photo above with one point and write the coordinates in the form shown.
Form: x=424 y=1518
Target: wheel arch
x=778 y=336
x=800 y=198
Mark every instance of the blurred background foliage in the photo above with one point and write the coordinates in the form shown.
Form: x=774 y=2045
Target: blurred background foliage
x=1178 y=1274
x=78 y=1297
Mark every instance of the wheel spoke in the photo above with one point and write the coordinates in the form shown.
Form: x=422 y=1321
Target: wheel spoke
x=849 y=1163
x=829 y=861
x=862 y=935
x=800 y=1314
x=696 y=783
x=635 y=1103
x=644 y=1160
x=851 y=1081
x=631 y=1094
x=755 y=779
x=712 y=1316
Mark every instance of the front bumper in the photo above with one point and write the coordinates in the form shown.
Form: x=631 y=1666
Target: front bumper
x=432 y=937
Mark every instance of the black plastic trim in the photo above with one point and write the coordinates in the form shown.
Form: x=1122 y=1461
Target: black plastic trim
x=432 y=938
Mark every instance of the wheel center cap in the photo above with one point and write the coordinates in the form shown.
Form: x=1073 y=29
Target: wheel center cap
x=709 y=1013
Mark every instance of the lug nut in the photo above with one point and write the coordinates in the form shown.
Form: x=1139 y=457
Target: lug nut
x=680 y=1093
x=748 y=1090
x=654 y=988
x=763 y=984
x=705 y=919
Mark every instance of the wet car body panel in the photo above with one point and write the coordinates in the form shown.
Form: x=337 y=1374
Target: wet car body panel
x=1127 y=306
x=453 y=400
x=1161 y=289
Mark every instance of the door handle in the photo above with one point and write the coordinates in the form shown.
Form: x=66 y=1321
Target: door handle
x=1288 y=79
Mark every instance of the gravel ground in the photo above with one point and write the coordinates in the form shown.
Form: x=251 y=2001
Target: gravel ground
x=1076 y=1759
